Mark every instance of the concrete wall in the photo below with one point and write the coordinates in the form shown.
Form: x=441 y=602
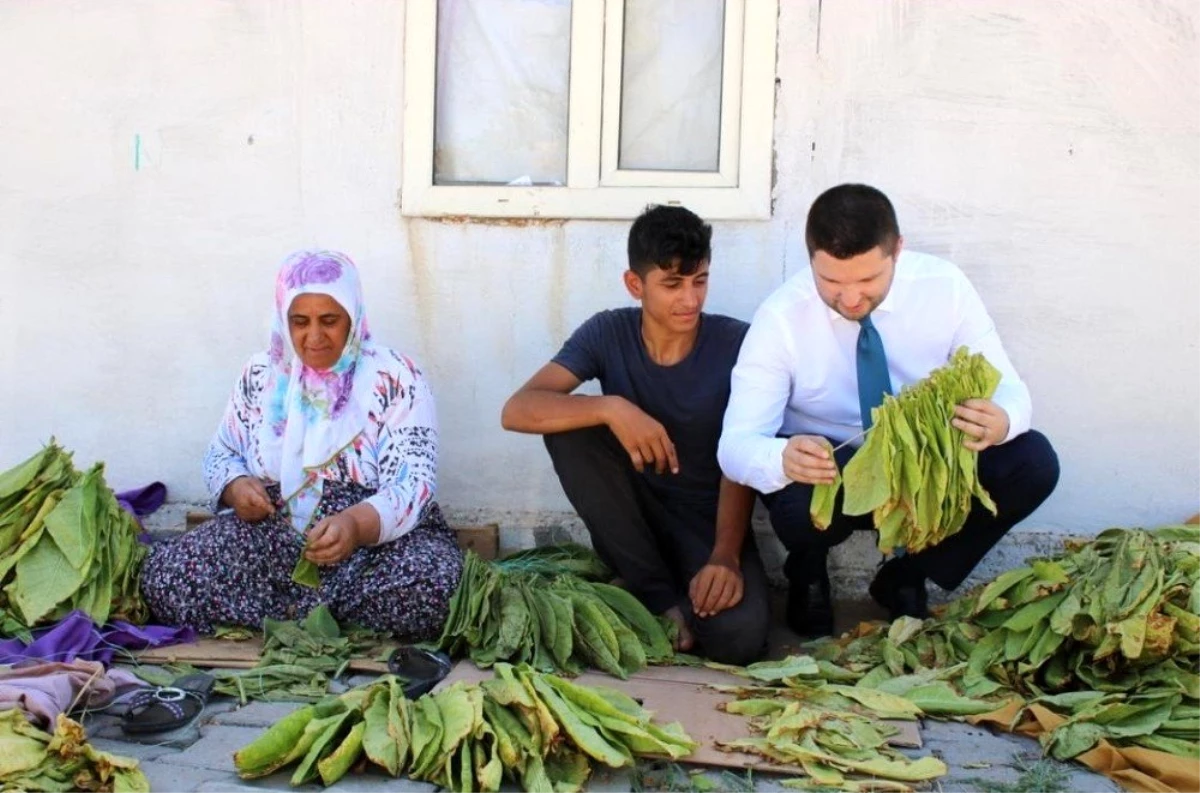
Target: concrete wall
x=158 y=159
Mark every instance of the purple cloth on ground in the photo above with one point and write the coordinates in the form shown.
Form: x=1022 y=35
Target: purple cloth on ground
x=143 y=501
x=76 y=636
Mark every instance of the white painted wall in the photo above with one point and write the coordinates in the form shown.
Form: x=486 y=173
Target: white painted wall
x=1051 y=149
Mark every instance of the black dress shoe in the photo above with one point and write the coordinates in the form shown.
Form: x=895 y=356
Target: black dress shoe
x=809 y=605
x=809 y=612
x=900 y=590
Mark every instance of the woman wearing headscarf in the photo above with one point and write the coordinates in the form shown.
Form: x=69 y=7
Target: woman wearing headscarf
x=328 y=448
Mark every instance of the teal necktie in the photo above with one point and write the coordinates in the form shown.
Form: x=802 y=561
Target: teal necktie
x=873 y=379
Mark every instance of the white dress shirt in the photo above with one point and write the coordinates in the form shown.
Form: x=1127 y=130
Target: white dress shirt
x=797 y=371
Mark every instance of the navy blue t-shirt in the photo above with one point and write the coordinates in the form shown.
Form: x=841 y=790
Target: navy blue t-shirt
x=688 y=398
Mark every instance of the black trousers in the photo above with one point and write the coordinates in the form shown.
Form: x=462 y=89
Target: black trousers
x=655 y=544
x=1019 y=475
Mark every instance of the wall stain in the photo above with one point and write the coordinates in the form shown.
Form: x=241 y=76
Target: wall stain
x=558 y=285
x=819 y=8
x=422 y=284
x=459 y=220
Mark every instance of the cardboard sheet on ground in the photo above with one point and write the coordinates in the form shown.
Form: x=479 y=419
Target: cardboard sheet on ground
x=678 y=693
x=228 y=654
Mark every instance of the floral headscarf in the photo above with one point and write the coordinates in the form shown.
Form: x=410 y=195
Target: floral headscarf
x=310 y=416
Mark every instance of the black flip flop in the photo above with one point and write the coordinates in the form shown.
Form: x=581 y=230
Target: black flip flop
x=170 y=707
x=421 y=669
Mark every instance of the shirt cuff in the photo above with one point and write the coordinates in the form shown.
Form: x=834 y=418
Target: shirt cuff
x=761 y=464
x=1019 y=418
x=769 y=468
x=390 y=527
x=230 y=475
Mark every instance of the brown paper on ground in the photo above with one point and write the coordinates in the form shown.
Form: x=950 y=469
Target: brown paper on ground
x=677 y=693
x=1132 y=767
x=229 y=654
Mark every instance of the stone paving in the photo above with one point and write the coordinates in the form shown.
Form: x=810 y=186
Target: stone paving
x=199 y=757
x=974 y=756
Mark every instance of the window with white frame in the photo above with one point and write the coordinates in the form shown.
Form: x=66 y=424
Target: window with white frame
x=588 y=108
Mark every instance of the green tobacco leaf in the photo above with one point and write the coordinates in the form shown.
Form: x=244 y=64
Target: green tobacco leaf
x=321 y=624
x=323 y=745
x=887 y=706
x=305 y=573
x=585 y=737
x=21 y=476
x=1176 y=746
x=1035 y=613
x=24 y=746
x=824 y=497
x=865 y=479
x=44 y=577
x=377 y=741
x=940 y=699
x=334 y=766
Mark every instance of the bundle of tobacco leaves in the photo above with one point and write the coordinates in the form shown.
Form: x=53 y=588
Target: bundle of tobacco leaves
x=537 y=730
x=34 y=760
x=65 y=544
x=912 y=473
x=535 y=608
x=299 y=659
x=1106 y=634
x=298 y=663
x=552 y=560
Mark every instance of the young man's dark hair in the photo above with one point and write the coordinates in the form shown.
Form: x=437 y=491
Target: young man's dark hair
x=663 y=236
x=849 y=220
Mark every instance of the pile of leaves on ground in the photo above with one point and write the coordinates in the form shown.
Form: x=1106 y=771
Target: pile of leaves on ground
x=537 y=730
x=33 y=760
x=1106 y=634
x=548 y=607
x=65 y=544
x=817 y=716
x=300 y=659
x=912 y=473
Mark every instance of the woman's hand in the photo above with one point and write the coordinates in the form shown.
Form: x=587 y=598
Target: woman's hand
x=333 y=539
x=248 y=497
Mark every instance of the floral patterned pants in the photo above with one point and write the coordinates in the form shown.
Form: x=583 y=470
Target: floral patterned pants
x=229 y=572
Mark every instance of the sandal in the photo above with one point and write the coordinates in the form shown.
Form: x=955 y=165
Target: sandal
x=170 y=707
x=420 y=669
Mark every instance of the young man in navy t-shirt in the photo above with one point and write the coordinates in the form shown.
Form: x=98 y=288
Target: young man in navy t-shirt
x=639 y=463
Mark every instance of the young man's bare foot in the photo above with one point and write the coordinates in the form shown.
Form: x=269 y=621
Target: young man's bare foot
x=684 y=640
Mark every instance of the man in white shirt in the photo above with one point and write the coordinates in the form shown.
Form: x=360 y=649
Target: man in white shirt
x=864 y=319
